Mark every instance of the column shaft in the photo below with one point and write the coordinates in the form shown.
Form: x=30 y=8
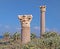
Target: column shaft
x=25 y=35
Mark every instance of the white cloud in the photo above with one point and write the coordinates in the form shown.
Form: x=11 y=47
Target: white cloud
x=37 y=28
x=54 y=30
x=7 y=26
x=18 y=29
x=47 y=29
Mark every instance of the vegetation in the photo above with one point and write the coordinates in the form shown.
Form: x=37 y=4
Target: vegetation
x=50 y=40
x=16 y=36
x=33 y=36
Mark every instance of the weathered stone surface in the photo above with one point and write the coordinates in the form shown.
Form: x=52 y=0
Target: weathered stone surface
x=25 y=28
x=42 y=20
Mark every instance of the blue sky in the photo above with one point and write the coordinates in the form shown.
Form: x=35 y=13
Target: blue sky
x=10 y=9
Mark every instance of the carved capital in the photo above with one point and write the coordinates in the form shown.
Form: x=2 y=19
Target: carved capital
x=43 y=8
x=25 y=20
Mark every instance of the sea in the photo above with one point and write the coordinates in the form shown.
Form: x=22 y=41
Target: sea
x=1 y=37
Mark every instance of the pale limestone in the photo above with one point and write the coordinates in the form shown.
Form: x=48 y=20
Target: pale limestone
x=42 y=20
x=25 y=27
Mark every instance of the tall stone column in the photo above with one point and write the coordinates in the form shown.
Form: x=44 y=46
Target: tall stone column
x=25 y=28
x=42 y=20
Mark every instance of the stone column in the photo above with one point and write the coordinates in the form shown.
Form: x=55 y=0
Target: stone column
x=42 y=20
x=25 y=28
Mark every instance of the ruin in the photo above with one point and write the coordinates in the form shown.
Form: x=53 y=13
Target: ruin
x=25 y=27
x=42 y=20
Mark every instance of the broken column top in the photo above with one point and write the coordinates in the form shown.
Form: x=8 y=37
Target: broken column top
x=25 y=17
x=43 y=8
x=25 y=20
